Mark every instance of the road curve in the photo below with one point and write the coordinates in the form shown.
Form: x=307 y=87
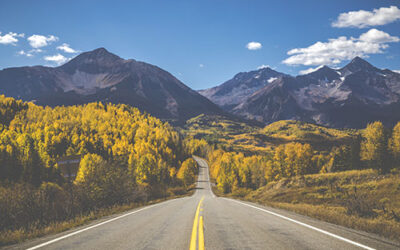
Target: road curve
x=206 y=221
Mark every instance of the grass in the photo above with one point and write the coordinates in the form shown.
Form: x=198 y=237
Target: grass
x=17 y=236
x=358 y=199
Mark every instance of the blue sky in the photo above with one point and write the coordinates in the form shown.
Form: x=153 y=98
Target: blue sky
x=203 y=43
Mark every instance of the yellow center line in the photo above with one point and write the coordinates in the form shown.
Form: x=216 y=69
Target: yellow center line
x=194 y=229
x=201 y=234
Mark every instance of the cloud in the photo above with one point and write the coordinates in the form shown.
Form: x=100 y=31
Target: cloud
x=363 y=18
x=309 y=70
x=397 y=71
x=377 y=36
x=36 y=51
x=29 y=53
x=38 y=41
x=254 y=46
x=10 y=38
x=263 y=66
x=58 y=59
x=201 y=65
x=23 y=53
x=342 y=48
x=66 y=48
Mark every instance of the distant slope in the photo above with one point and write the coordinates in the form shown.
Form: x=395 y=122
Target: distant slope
x=302 y=131
x=350 y=97
x=101 y=76
x=240 y=87
x=238 y=136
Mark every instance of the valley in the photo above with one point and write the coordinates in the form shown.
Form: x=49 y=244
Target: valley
x=300 y=143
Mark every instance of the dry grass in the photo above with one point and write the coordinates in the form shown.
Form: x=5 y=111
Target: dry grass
x=337 y=215
x=358 y=199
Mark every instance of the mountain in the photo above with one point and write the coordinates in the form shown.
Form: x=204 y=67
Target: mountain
x=99 y=75
x=349 y=97
x=236 y=90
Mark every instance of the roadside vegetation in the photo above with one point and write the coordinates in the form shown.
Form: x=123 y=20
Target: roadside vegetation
x=361 y=199
x=347 y=177
x=126 y=157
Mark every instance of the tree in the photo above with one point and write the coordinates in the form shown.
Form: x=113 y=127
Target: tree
x=304 y=163
x=29 y=159
x=87 y=167
x=355 y=150
x=337 y=160
x=187 y=172
x=374 y=147
x=394 y=144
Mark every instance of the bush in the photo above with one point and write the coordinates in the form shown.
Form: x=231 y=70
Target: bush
x=359 y=204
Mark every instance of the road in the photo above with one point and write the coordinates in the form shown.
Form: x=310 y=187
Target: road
x=206 y=221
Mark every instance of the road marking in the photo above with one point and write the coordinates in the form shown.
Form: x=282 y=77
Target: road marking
x=193 y=239
x=306 y=225
x=97 y=225
x=201 y=234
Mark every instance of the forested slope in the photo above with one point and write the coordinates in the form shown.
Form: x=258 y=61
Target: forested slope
x=126 y=156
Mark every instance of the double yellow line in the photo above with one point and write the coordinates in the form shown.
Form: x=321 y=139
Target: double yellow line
x=198 y=223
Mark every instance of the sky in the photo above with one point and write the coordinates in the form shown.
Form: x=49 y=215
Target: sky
x=204 y=42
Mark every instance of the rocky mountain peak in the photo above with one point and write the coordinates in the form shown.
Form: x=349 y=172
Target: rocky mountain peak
x=95 y=61
x=324 y=73
x=358 y=64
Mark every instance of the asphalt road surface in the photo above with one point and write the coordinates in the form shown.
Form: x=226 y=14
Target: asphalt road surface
x=206 y=221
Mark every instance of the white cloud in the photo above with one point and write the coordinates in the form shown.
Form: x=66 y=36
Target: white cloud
x=309 y=70
x=363 y=18
x=342 y=48
x=397 y=71
x=58 y=59
x=23 y=53
x=38 y=41
x=36 y=51
x=66 y=48
x=377 y=36
x=201 y=65
x=29 y=53
x=10 y=38
x=263 y=66
x=254 y=46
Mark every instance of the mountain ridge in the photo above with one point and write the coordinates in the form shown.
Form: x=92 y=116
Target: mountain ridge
x=99 y=75
x=349 y=97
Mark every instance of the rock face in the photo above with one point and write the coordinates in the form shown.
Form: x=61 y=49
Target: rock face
x=240 y=87
x=349 y=97
x=99 y=75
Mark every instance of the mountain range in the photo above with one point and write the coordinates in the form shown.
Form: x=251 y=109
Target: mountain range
x=100 y=76
x=349 y=97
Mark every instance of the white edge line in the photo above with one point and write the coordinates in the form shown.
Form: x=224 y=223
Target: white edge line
x=306 y=225
x=97 y=225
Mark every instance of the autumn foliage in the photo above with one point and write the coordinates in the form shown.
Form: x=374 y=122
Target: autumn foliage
x=126 y=156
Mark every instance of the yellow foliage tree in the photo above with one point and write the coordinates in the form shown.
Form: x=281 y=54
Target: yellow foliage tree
x=87 y=167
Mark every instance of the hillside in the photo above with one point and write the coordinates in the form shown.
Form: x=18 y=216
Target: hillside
x=244 y=137
x=291 y=130
x=125 y=158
